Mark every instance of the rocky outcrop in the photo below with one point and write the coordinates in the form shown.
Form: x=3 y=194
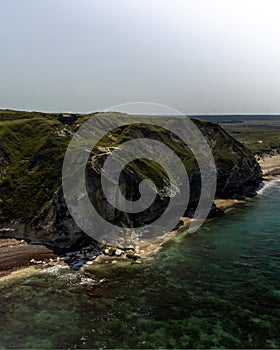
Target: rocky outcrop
x=238 y=176
x=238 y=173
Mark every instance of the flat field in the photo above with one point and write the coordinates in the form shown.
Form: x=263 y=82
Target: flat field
x=257 y=135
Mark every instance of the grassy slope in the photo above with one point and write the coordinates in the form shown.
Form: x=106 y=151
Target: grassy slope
x=32 y=151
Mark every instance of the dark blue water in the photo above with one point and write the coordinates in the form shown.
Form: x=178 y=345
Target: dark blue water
x=217 y=288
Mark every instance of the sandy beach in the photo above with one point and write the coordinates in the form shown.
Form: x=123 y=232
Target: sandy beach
x=270 y=165
x=17 y=254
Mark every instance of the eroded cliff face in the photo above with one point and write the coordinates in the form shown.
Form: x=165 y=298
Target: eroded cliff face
x=238 y=175
x=238 y=172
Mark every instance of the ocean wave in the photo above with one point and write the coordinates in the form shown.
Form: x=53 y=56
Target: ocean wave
x=267 y=187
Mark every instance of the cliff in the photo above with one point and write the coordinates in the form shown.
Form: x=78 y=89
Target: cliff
x=32 y=149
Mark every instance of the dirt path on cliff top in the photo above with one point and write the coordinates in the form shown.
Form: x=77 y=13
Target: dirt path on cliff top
x=16 y=254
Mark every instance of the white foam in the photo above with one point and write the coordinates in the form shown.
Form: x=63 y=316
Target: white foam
x=54 y=269
x=268 y=186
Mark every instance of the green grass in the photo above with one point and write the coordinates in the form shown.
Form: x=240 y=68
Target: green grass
x=258 y=136
x=35 y=154
x=32 y=153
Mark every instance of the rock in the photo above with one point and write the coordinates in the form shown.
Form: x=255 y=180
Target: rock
x=215 y=212
x=119 y=252
x=109 y=251
x=180 y=223
x=33 y=261
x=130 y=254
x=238 y=175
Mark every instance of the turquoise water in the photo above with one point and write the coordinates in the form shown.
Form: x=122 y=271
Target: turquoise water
x=217 y=288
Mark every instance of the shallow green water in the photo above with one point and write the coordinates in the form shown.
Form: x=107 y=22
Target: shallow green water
x=219 y=288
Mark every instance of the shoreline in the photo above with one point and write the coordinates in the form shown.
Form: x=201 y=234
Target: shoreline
x=151 y=247
x=19 y=258
x=16 y=255
x=270 y=165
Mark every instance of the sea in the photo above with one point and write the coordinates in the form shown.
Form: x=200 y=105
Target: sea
x=216 y=288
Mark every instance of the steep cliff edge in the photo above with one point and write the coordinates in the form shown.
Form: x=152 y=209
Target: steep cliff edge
x=32 y=148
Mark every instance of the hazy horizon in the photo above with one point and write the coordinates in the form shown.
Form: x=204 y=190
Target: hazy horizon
x=197 y=56
x=190 y=114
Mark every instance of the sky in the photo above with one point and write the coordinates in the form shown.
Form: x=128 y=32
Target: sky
x=197 y=56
